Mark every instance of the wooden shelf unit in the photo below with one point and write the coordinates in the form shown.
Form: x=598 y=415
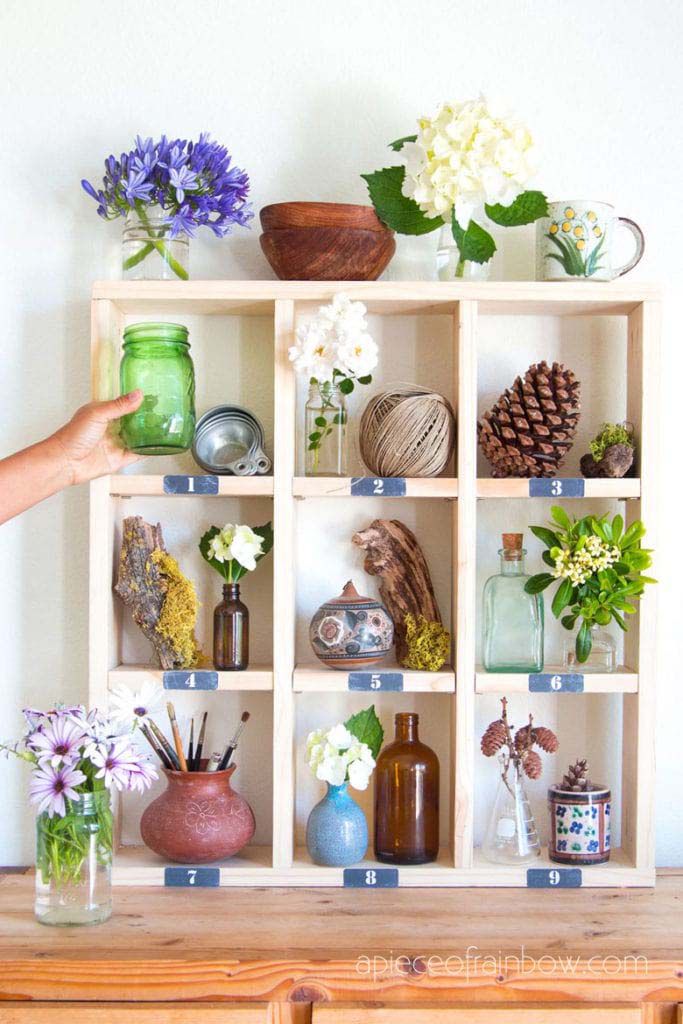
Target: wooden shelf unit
x=290 y=678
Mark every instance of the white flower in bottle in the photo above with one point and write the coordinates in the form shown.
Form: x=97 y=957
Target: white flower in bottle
x=246 y=546
x=333 y=770
x=357 y=354
x=359 y=774
x=219 y=546
x=340 y=738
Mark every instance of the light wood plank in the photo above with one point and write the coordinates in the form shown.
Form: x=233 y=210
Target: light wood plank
x=284 y=589
x=340 y=487
x=615 y=489
x=133 y=1013
x=256 y=677
x=152 y=485
x=318 y=679
x=430 y=1014
x=623 y=680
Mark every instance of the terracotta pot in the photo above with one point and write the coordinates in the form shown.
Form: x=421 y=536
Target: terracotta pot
x=351 y=631
x=198 y=818
x=325 y=241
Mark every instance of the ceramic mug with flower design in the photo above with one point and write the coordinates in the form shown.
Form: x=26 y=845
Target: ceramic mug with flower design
x=576 y=241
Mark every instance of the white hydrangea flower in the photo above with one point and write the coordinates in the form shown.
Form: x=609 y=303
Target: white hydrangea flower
x=340 y=737
x=219 y=546
x=337 y=756
x=245 y=547
x=332 y=770
x=466 y=155
x=359 y=774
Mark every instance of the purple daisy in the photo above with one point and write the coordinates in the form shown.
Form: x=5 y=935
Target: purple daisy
x=116 y=763
x=58 y=741
x=50 y=788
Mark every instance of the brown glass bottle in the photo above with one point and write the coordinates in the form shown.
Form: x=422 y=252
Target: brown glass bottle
x=407 y=798
x=231 y=631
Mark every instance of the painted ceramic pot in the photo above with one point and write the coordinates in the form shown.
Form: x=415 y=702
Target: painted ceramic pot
x=579 y=826
x=575 y=242
x=337 y=832
x=198 y=818
x=351 y=631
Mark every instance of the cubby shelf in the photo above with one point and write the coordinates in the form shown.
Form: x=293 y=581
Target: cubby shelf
x=258 y=677
x=470 y=335
x=622 y=680
x=318 y=679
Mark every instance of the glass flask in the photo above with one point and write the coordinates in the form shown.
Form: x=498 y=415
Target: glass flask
x=513 y=619
x=231 y=632
x=407 y=798
x=148 y=253
x=325 y=431
x=156 y=359
x=511 y=836
x=73 y=862
x=602 y=658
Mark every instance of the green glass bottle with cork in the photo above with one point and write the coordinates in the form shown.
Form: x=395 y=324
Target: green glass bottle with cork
x=513 y=619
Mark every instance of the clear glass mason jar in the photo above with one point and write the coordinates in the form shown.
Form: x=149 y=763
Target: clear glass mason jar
x=73 y=862
x=449 y=265
x=148 y=253
x=326 y=420
x=156 y=359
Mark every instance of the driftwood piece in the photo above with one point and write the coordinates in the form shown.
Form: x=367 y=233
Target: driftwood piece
x=405 y=586
x=141 y=585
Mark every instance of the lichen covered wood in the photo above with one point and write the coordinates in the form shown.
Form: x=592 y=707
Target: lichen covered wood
x=162 y=600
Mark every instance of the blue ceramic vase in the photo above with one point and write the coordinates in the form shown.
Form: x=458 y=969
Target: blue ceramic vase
x=337 y=833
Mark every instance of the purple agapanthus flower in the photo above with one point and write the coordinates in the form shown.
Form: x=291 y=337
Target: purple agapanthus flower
x=194 y=183
x=52 y=787
x=58 y=741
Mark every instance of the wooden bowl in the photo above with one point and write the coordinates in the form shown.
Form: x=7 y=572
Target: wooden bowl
x=325 y=241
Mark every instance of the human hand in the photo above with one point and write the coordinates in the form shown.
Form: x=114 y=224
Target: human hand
x=86 y=444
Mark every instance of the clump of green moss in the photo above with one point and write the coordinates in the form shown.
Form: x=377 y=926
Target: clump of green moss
x=611 y=433
x=179 y=611
x=428 y=643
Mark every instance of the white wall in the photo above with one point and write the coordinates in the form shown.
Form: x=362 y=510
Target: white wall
x=306 y=94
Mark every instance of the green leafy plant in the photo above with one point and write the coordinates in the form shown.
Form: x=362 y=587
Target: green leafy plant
x=233 y=551
x=610 y=434
x=599 y=567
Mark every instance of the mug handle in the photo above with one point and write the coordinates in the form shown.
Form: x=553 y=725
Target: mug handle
x=631 y=226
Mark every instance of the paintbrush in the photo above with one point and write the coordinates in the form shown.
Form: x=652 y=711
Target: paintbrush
x=232 y=745
x=165 y=745
x=176 y=737
x=200 y=743
x=190 y=747
x=158 y=750
x=213 y=762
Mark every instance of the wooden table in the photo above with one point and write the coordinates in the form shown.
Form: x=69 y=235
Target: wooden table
x=414 y=956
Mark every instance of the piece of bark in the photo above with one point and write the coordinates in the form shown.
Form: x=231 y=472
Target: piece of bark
x=615 y=463
x=141 y=586
x=405 y=586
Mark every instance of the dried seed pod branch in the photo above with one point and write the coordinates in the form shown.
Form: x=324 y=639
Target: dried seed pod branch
x=518 y=748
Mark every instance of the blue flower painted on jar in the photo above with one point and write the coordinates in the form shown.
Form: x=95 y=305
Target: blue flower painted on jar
x=560 y=810
x=561 y=844
x=593 y=846
x=576 y=827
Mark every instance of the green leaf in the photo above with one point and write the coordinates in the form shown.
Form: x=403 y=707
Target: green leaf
x=221 y=568
x=569 y=621
x=475 y=244
x=619 y=621
x=346 y=386
x=563 y=597
x=399 y=143
x=393 y=208
x=584 y=642
x=561 y=517
x=315 y=436
x=367 y=728
x=633 y=534
x=539 y=582
x=549 y=538
x=365 y=380
x=603 y=616
x=320 y=421
x=592 y=262
x=617 y=527
x=548 y=559
x=527 y=207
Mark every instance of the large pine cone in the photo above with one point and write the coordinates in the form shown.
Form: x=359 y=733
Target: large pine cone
x=530 y=429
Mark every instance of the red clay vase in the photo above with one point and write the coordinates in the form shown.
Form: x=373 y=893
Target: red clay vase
x=198 y=818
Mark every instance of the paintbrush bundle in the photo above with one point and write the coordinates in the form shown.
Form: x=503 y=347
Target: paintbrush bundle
x=172 y=755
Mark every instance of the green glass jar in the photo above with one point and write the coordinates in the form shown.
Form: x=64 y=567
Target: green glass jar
x=156 y=359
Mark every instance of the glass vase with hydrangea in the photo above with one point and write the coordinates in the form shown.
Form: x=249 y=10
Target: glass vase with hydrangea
x=78 y=759
x=599 y=567
x=233 y=551
x=335 y=350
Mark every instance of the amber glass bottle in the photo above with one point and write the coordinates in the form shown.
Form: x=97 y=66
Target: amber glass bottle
x=407 y=798
x=231 y=632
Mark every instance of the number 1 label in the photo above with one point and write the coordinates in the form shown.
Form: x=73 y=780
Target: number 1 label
x=190 y=485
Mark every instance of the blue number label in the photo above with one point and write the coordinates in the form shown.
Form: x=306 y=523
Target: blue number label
x=191 y=680
x=387 y=681
x=572 y=487
x=560 y=682
x=196 y=878
x=379 y=486
x=553 y=878
x=370 y=878
x=190 y=485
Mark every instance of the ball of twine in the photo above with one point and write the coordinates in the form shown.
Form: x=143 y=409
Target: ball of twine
x=407 y=430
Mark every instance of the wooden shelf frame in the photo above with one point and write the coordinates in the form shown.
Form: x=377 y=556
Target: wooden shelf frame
x=114 y=303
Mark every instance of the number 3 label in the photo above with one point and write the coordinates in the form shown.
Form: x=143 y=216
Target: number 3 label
x=565 y=488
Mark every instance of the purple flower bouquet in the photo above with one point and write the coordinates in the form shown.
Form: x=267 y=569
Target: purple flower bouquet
x=166 y=190
x=77 y=759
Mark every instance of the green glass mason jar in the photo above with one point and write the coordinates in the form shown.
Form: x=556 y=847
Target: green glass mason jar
x=156 y=359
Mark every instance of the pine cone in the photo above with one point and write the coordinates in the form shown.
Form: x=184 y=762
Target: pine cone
x=524 y=738
x=493 y=739
x=576 y=780
x=531 y=427
x=532 y=764
x=546 y=739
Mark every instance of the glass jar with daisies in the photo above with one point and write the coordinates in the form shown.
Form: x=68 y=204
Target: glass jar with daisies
x=599 y=567
x=335 y=350
x=469 y=160
x=165 y=190
x=78 y=759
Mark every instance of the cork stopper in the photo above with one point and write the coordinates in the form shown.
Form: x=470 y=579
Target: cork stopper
x=512 y=541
